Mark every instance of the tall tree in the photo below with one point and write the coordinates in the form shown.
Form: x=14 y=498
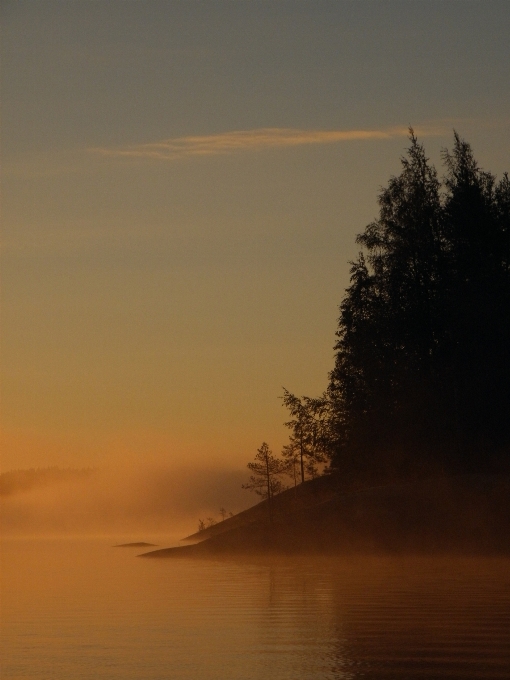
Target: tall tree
x=308 y=441
x=290 y=453
x=477 y=300
x=422 y=362
x=265 y=480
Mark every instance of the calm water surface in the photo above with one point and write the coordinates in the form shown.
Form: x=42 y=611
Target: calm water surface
x=80 y=609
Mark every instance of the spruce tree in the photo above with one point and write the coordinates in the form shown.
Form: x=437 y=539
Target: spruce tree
x=422 y=365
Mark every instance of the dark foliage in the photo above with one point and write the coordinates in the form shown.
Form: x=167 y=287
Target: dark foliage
x=265 y=480
x=309 y=440
x=422 y=370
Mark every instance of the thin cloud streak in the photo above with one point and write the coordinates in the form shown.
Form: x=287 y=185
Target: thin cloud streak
x=252 y=140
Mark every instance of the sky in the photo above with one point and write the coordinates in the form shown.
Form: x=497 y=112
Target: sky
x=182 y=183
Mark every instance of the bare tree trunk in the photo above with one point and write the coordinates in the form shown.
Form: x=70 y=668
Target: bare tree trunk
x=301 y=453
x=269 y=498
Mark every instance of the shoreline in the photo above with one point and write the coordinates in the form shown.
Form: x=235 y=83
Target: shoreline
x=466 y=514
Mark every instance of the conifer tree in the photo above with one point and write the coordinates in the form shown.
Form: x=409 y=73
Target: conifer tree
x=309 y=441
x=265 y=480
x=422 y=366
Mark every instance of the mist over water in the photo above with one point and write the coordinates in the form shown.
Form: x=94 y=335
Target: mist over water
x=81 y=609
x=119 y=500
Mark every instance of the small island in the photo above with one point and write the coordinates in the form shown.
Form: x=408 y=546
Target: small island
x=408 y=448
x=463 y=514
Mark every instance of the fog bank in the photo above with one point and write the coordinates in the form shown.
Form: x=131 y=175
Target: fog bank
x=151 y=498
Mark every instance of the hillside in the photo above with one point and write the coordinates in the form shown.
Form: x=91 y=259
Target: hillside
x=310 y=494
x=465 y=513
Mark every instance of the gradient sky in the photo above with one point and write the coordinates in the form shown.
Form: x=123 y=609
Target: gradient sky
x=182 y=184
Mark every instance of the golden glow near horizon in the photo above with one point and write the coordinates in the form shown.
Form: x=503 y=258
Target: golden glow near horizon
x=154 y=309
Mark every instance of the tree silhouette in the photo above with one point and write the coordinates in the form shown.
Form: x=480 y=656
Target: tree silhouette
x=309 y=439
x=290 y=453
x=422 y=365
x=265 y=480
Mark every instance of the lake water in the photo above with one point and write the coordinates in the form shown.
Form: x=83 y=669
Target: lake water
x=80 y=609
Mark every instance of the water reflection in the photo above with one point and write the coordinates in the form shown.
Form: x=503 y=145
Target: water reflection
x=79 y=609
x=390 y=617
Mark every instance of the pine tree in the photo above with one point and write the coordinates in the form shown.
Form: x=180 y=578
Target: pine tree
x=422 y=366
x=265 y=480
x=309 y=441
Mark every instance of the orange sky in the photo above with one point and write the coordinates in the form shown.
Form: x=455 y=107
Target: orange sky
x=182 y=185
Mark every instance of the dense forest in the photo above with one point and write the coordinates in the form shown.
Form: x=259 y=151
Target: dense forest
x=422 y=370
x=421 y=379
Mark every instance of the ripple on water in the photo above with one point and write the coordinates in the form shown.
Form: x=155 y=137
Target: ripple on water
x=79 y=609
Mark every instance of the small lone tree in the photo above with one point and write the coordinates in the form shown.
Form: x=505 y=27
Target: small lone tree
x=265 y=480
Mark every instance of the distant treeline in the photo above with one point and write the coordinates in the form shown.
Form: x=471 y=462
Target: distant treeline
x=421 y=380
x=16 y=481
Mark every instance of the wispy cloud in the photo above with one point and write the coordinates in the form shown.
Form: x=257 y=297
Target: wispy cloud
x=251 y=140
